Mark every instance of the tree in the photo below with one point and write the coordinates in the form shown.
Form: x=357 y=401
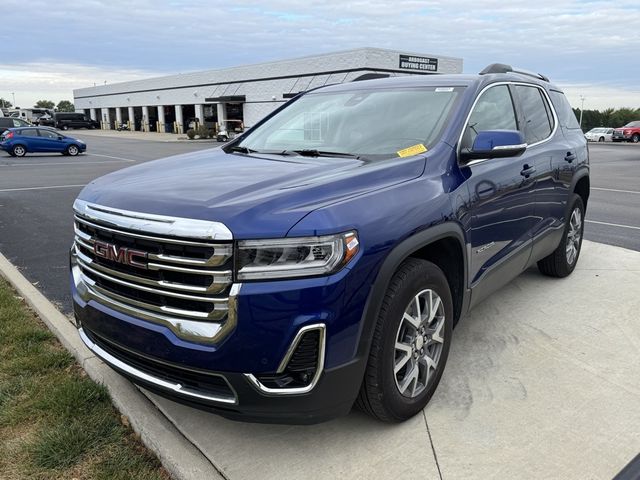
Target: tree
x=44 y=104
x=65 y=106
x=5 y=103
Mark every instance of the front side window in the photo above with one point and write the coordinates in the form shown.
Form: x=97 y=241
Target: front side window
x=371 y=124
x=48 y=134
x=493 y=111
x=537 y=114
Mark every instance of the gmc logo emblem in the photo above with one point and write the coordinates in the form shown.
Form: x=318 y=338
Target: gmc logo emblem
x=126 y=256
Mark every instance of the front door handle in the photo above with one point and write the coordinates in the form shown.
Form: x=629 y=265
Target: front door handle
x=570 y=157
x=527 y=171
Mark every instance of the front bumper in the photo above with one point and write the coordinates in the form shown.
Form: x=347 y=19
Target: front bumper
x=332 y=397
x=223 y=378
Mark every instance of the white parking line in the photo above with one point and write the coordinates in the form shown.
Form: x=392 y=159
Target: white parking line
x=111 y=156
x=59 y=163
x=613 y=224
x=614 y=190
x=39 y=188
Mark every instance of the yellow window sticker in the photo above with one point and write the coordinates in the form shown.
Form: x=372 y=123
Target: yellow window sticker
x=414 y=150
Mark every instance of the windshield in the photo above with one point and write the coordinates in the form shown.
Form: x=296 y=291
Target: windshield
x=598 y=130
x=633 y=124
x=371 y=124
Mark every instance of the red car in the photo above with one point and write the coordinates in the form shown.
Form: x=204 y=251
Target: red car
x=629 y=133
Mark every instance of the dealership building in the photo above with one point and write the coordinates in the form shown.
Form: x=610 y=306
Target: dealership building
x=245 y=94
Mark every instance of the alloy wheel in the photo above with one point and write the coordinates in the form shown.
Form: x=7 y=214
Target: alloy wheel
x=419 y=343
x=73 y=150
x=574 y=236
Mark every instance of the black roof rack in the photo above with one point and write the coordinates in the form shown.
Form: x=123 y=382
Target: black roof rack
x=370 y=76
x=503 y=68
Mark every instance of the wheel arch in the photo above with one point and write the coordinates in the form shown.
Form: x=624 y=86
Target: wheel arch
x=582 y=187
x=443 y=245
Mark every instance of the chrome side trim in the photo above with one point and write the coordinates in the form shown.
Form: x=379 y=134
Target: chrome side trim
x=283 y=364
x=509 y=147
x=152 y=223
x=143 y=376
x=487 y=87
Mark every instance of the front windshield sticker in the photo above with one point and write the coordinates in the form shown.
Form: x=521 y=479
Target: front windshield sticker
x=414 y=150
x=444 y=89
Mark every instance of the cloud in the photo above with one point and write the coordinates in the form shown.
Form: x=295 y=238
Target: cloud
x=578 y=42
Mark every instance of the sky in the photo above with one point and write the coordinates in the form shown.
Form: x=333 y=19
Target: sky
x=589 y=48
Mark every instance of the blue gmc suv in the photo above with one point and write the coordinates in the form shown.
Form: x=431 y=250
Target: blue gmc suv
x=322 y=258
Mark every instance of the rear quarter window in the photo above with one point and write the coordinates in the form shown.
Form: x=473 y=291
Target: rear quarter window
x=566 y=117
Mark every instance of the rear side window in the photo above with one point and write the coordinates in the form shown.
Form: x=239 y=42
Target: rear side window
x=538 y=120
x=566 y=117
x=29 y=132
x=493 y=111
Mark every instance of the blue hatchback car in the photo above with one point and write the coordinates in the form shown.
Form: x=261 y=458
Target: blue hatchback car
x=20 y=141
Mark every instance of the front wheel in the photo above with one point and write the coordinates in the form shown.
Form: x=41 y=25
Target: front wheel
x=601 y=139
x=410 y=343
x=563 y=260
x=65 y=127
x=73 y=150
x=18 y=151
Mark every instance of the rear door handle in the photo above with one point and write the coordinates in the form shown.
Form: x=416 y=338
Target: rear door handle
x=570 y=157
x=527 y=171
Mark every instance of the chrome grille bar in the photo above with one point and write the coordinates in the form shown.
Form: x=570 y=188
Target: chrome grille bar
x=184 y=283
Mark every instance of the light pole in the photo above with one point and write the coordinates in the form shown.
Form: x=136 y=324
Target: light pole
x=581 y=108
x=14 y=99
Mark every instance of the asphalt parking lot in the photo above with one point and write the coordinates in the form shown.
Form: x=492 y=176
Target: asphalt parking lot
x=524 y=394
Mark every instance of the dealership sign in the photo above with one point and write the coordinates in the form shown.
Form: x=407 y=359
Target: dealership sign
x=425 y=64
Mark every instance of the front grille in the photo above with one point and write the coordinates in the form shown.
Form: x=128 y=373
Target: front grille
x=205 y=383
x=174 y=279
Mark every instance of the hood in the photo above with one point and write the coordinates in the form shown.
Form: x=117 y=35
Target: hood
x=253 y=195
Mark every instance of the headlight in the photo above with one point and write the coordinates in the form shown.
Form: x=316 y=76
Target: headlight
x=295 y=257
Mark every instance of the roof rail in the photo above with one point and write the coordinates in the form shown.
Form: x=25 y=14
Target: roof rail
x=503 y=68
x=370 y=76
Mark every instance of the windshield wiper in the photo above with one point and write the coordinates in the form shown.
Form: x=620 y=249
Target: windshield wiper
x=238 y=148
x=323 y=153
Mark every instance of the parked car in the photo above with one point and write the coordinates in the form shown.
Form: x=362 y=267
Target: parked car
x=67 y=120
x=8 y=122
x=629 y=133
x=20 y=141
x=599 y=135
x=322 y=258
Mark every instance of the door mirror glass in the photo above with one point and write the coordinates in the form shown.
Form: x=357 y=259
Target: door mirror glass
x=495 y=144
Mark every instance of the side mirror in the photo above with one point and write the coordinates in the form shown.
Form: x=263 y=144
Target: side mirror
x=495 y=144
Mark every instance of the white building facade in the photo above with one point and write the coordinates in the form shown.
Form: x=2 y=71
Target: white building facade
x=242 y=94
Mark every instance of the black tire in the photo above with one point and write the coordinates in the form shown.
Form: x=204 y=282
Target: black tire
x=65 y=127
x=635 y=138
x=73 y=150
x=557 y=264
x=601 y=139
x=380 y=395
x=19 y=151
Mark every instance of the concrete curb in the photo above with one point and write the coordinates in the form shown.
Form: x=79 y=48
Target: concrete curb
x=181 y=458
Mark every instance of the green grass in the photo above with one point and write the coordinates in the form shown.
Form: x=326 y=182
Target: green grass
x=54 y=421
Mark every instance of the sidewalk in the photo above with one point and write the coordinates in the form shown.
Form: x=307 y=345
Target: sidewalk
x=543 y=381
